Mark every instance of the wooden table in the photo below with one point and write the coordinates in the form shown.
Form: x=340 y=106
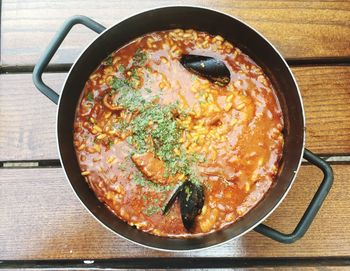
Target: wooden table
x=40 y=217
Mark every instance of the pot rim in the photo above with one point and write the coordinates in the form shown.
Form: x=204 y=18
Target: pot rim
x=257 y=222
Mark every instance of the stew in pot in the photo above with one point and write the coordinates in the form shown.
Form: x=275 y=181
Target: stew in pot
x=170 y=152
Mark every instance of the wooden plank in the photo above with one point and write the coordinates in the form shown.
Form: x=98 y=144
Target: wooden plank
x=238 y=264
x=27 y=118
x=317 y=267
x=326 y=94
x=42 y=219
x=299 y=29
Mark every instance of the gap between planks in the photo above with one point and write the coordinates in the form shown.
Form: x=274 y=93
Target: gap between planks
x=177 y=262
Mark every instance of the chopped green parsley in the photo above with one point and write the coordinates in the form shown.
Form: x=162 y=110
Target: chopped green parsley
x=121 y=68
x=152 y=209
x=110 y=143
x=108 y=61
x=90 y=97
x=139 y=58
x=122 y=167
x=155 y=129
x=140 y=180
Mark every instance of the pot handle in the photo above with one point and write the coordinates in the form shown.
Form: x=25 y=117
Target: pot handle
x=311 y=210
x=53 y=47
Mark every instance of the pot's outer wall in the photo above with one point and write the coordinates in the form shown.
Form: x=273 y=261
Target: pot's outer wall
x=199 y=19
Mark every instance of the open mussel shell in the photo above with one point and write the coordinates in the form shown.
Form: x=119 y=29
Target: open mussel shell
x=172 y=199
x=191 y=203
x=191 y=199
x=210 y=68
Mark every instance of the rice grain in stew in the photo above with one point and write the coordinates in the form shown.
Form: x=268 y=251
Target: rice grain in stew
x=144 y=125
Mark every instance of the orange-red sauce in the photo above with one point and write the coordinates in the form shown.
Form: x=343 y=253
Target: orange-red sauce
x=236 y=130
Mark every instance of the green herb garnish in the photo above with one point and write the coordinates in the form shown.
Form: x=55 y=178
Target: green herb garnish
x=121 y=68
x=188 y=193
x=134 y=74
x=139 y=58
x=122 y=167
x=120 y=84
x=151 y=210
x=155 y=129
x=90 y=97
x=108 y=61
x=140 y=180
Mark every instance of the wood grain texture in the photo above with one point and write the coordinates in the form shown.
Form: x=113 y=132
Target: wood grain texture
x=27 y=118
x=316 y=267
x=278 y=268
x=299 y=29
x=41 y=218
x=295 y=268
x=326 y=96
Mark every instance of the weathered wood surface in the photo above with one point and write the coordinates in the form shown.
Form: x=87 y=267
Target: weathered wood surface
x=41 y=218
x=299 y=29
x=27 y=118
x=337 y=267
x=326 y=96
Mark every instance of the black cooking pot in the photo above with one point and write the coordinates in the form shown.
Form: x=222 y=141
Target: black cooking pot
x=250 y=42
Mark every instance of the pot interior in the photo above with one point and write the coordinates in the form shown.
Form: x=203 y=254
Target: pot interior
x=242 y=36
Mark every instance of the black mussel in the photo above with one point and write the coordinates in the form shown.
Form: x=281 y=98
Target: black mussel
x=191 y=203
x=208 y=67
x=172 y=199
x=191 y=199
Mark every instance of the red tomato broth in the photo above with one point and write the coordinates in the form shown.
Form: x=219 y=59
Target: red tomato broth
x=237 y=129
